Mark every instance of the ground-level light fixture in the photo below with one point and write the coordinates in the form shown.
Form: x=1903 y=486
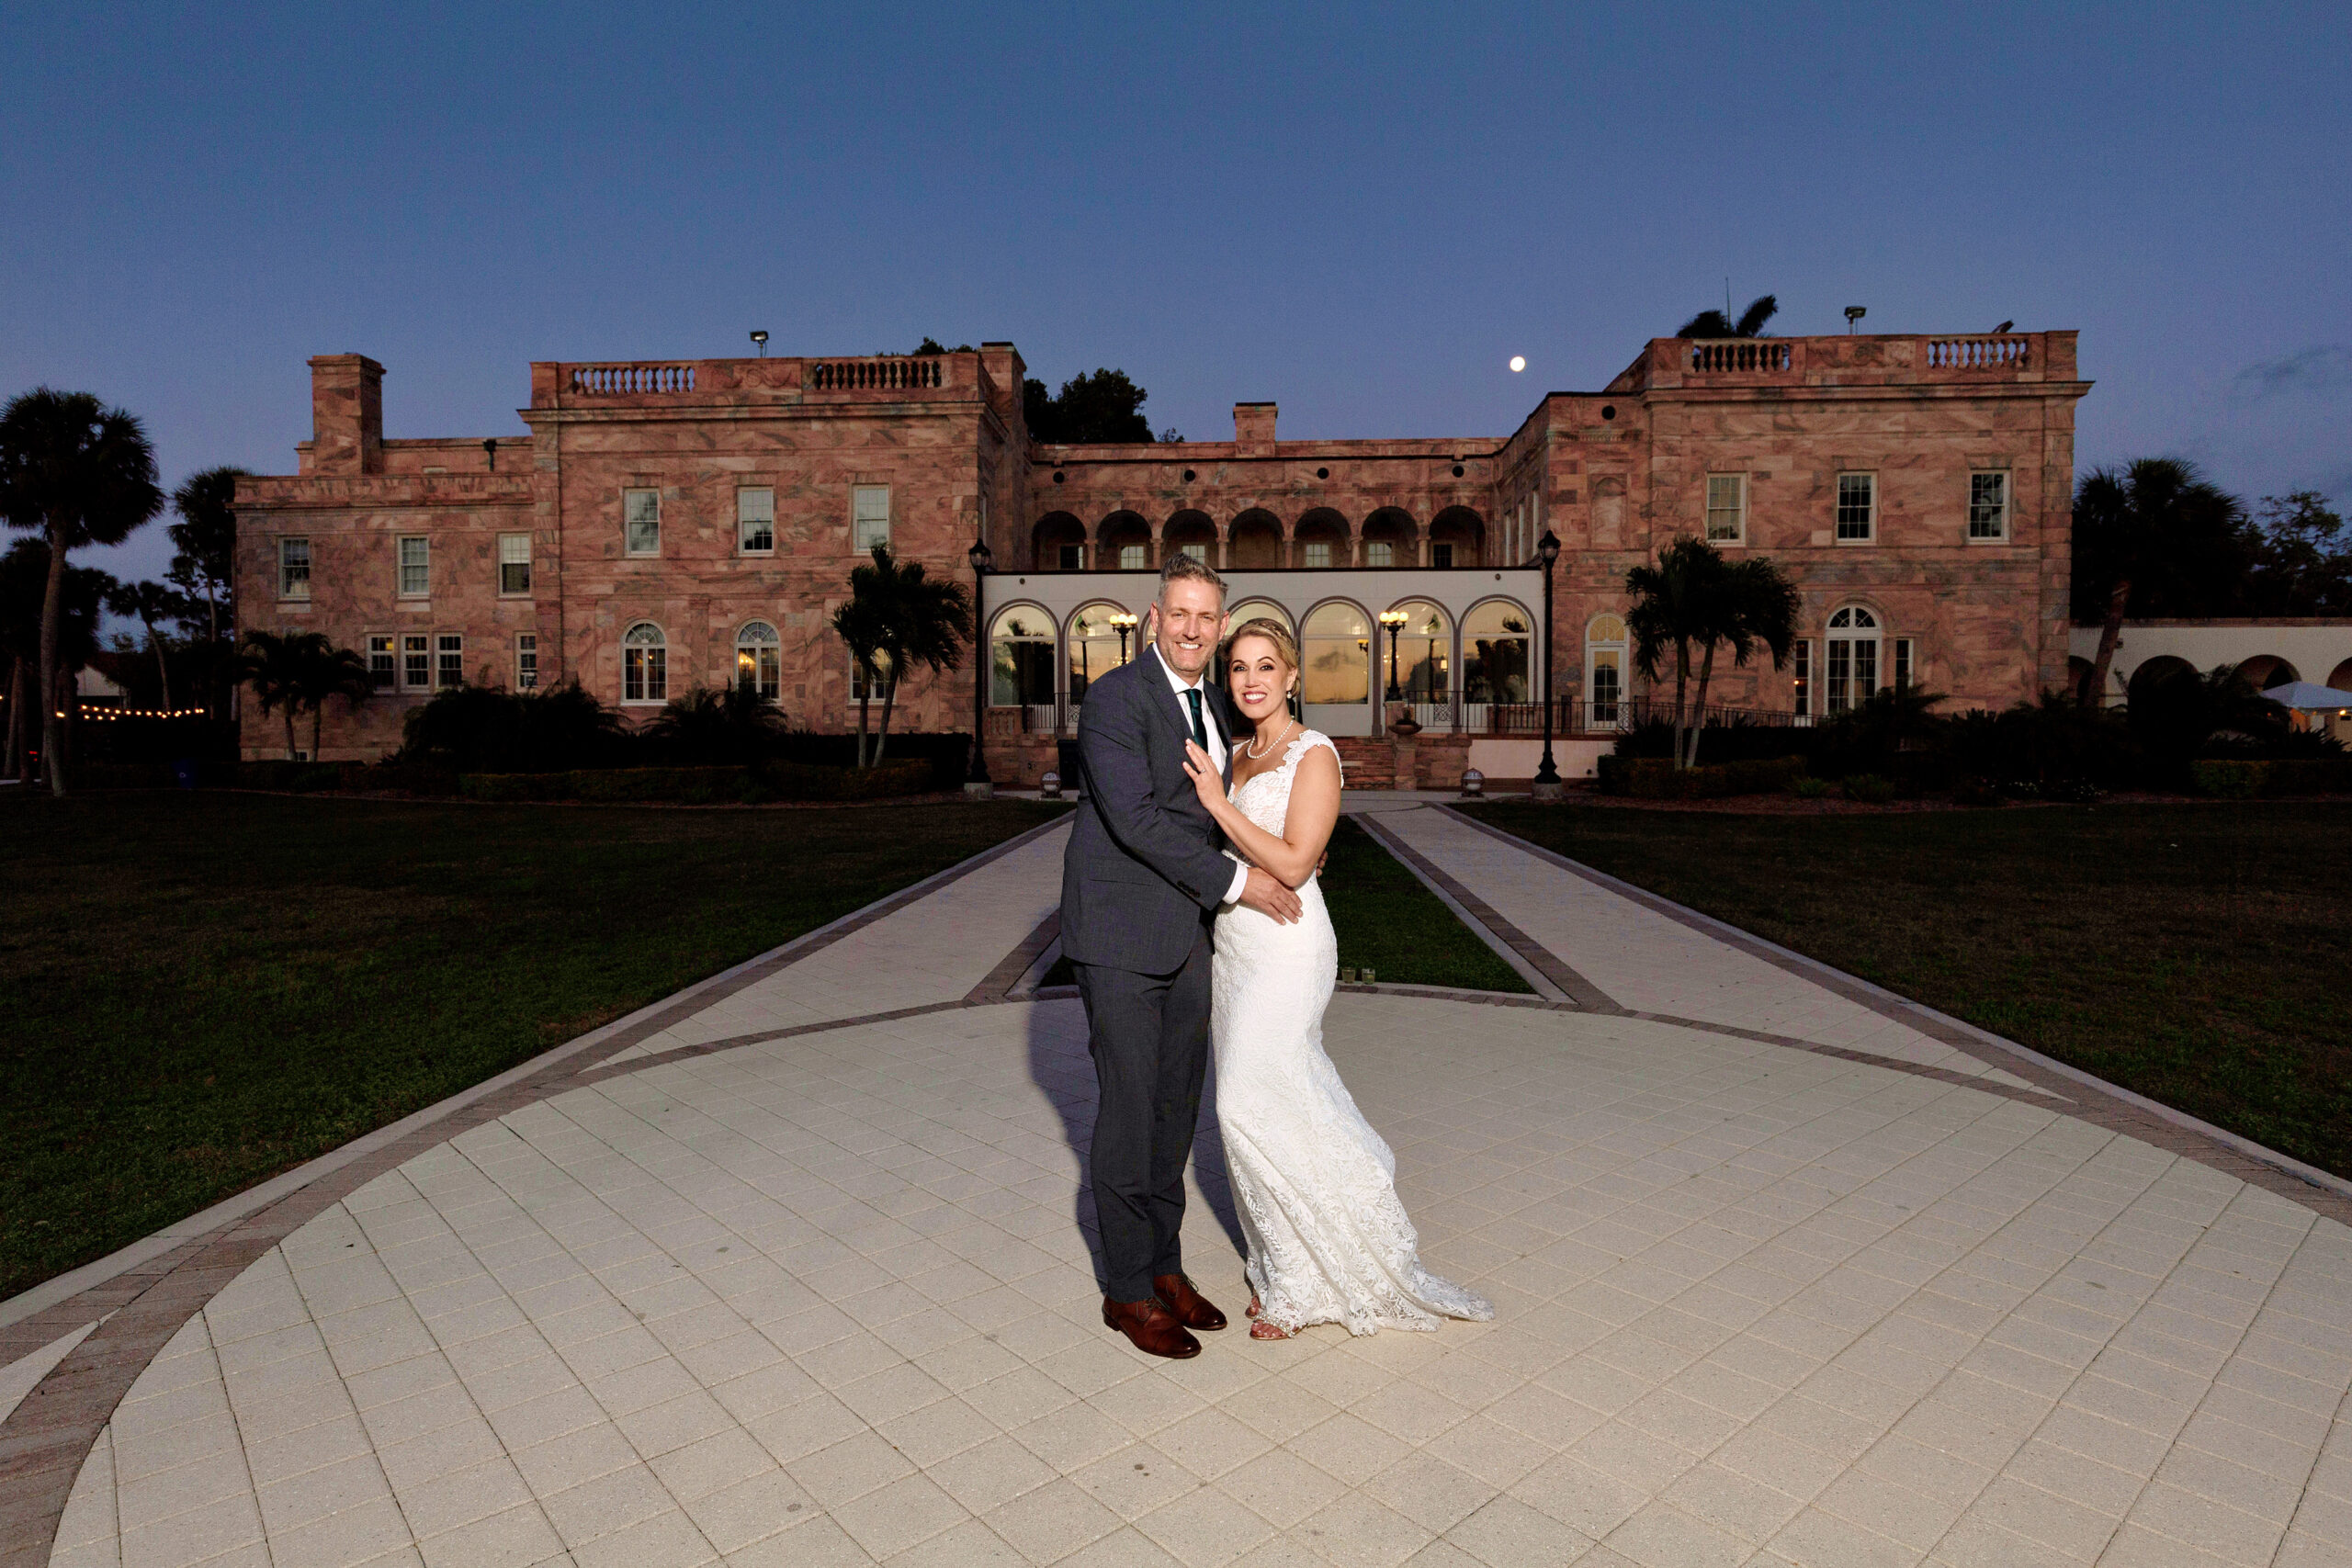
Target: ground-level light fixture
x=1854 y=313
x=1518 y=363
x=762 y=339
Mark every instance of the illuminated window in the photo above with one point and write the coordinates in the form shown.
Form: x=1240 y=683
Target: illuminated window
x=759 y=658
x=383 y=667
x=645 y=665
x=417 y=662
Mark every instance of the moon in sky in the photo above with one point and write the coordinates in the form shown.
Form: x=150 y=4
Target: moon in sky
x=1518 y=362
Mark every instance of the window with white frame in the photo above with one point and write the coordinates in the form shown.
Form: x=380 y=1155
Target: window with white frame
x=515 y=564
x=383 y=662
x=1905 y=674
x=526 y=662
x=645 y=664
x=860 y=688
x=416 y=566
x=759 y=658
x=641 y=522
x=1857 y=508
x=1131 y=557
x=755 y=521
x=1726 y=508
x=1988 y=505
x=1801 y=670
x=294 y=568
x=449 y=659
x=1316 y=553
x=417 y=662
x=1379 y=552
x=1852 y=663
x=1604 y=671
x=869 y=517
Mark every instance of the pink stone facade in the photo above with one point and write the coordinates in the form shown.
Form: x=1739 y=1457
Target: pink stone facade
x=1867 y=467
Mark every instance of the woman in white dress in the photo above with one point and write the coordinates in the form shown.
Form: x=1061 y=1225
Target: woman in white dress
x=1314 y=1185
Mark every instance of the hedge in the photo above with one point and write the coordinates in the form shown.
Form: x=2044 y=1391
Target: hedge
x=2233 y=778
x=707 y=787
x=1655 y=778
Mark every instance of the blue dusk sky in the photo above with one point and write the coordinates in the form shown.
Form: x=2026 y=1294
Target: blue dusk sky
x=1362 y=211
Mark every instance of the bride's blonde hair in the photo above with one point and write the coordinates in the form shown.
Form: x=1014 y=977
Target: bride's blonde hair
x=1285 y=645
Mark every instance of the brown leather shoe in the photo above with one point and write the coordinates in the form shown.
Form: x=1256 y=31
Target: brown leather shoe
x=1151 y=1327
x=1192 y=1308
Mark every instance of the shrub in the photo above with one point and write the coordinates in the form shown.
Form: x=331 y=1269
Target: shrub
x=298 y=777
x=1875 y=789
x=1810 y=788
x=486 y=730
x=1656 y=778
x=1976 y=791
x=2242 y=778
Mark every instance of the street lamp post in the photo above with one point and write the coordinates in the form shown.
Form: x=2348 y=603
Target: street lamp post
x=1122 y=622
x=978 y=785
x=1395 y=621
x=1547 y=773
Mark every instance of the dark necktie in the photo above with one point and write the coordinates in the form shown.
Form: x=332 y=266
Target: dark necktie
x=1200 y=734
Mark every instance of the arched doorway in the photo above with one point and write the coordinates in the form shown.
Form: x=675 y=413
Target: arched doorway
x=1123 y=542
x=1092 y=645
x=1850 y=674
x=1390 y=538
x=1057 y=542
x=1335 y=678
x=1193 y=534
x=2265 y=670
x=1020 y=658
x=1497 y=638
x=1321 y=540
x=1457 y=538
x=1604 y=671
x=1256 y=540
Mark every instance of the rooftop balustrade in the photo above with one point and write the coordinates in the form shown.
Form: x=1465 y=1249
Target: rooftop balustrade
x=887 y=374
x=605 y=379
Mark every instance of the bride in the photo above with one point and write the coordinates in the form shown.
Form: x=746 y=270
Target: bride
x=1329 y=1241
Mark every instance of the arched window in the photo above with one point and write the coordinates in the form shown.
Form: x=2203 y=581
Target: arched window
x=1495 y=643
x=645 y=665
x=1423 y=653
x=1850 y=672
x=1096 y=646
x=1336 y=653
x=759 y=658
x=1020 y=655
x=1604 y=671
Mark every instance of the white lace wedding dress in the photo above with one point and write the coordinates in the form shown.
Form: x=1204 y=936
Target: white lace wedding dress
x=1314 y=1184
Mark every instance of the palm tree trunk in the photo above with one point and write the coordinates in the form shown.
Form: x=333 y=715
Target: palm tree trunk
x=1682 y=679
x=318 y=712
x=163 y=670
x=289 y=729
x=1699 y=720
x=2109 y=633
x=53 y=610
x=8 y=768
x=211 y=652
x=865 y=696
x=882 y=736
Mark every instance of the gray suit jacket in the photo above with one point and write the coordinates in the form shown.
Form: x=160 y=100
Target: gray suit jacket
x=1144 y=869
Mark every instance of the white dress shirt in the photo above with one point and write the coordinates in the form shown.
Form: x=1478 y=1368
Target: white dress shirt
x=1209 y=726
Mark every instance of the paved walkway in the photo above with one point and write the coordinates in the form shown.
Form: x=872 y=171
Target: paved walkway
x=796 y=1270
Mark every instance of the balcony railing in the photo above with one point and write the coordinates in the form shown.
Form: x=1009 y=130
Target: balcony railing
x=1740 y=353
x=610 y=379
x=1977 y=353
x=874 y=375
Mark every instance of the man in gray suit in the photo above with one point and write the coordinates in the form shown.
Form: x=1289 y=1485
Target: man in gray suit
x=1141 y=881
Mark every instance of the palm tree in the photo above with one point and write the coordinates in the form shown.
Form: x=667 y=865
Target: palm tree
x=204 y=560
x=298 y=672
x=148 y=602
x=1715 y=323
x=721 y=727
x=24 y=577
x=81 y=473
x=897 y=617
x=2155 y=531
x=1693 y=599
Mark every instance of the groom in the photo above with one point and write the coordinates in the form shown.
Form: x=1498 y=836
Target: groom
x=1141 y=881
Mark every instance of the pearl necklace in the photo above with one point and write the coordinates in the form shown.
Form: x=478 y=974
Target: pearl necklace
x=1255 y=755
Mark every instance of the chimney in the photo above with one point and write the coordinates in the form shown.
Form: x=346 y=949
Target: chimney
x=1002 y=361
x=346 y=414
x=1253 y=424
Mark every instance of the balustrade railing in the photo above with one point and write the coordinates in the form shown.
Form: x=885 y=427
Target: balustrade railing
x=874 y=375
x=609 y=378
x=1977 y=353
x=1741 y=353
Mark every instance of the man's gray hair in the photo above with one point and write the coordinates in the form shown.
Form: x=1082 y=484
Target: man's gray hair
x=1182 y=567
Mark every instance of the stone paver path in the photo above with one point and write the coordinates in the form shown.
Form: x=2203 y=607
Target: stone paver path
x=826 y=1298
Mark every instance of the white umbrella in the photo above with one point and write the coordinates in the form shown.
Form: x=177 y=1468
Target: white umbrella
x=2309 y=694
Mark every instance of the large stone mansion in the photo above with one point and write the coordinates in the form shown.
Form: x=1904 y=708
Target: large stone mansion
x=674 y=524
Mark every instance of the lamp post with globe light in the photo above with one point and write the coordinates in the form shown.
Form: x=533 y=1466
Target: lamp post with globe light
x=978 y=785
x=1395 y=621
x=1122 y=622
x=1547 y=773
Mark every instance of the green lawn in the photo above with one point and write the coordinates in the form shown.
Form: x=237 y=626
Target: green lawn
x=2195 y=954
x=200 y=989
x=1388 y=922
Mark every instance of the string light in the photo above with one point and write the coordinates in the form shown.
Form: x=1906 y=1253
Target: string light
x=137 y=713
